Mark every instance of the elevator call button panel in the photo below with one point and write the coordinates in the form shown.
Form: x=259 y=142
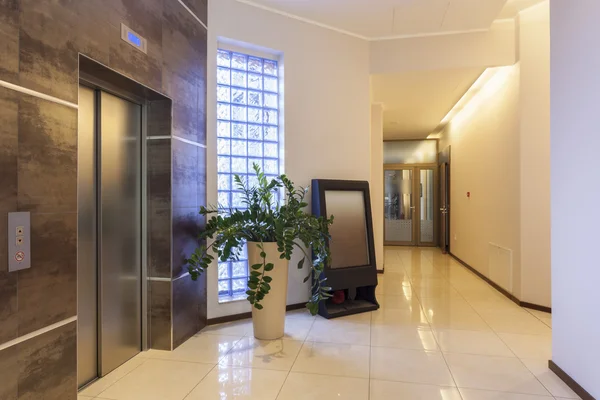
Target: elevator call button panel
x=19 y=241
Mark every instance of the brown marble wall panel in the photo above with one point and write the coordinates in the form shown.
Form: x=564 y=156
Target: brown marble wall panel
x=159 y=243
x=9 y=147
x=188 y=314
x=47 y=156
x=9 y=108
x=160 y=314
x=159 y=118
x=199 y=8
x=93 y=29
x=48 y=365
x=185 y=170
x=48 y=53
x=9 y=40
x=9 y=371
x=201 y=177
x=48 y=290
x=159 y=173
x=186 y=226
x=145 y=18
x=184 y=71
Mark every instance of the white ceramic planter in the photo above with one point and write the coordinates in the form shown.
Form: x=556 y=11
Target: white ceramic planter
x=269 y=323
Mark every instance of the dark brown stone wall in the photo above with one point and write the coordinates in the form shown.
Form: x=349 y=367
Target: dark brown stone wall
x=40 y=43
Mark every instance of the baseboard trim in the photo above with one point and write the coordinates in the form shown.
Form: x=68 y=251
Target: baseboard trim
x=570 y=382
x=535 y=307
x=246 y=315
x=499 y=288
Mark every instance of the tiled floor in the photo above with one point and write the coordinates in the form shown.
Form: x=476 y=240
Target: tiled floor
x=441 y=334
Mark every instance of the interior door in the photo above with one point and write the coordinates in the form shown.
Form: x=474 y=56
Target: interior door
x=119 y=231
x=399 y=207
x=444 y=220
x=425 y=193
x=109 y=233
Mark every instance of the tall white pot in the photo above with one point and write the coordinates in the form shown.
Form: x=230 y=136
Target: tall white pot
x=269 y=323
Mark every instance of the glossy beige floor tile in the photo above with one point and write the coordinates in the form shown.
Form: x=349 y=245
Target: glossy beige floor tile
x=472 y=394
x=301 y=386
x=101 y=385
x=553 y=383
x=399 y=317
x=500 y=374
x=340 y=331
x=297 y=328
x=415 y=338
x=439 y=326
x=459 y=319
x=386 y=390
x=158 y=380
x=529 y=346
x=239 y=383
x=333 y=359
x=516 y=322
x=202 y=348
x=398 y=302
x=472 y=342
x=237 y=328
x=413 y=366
x=266 y=354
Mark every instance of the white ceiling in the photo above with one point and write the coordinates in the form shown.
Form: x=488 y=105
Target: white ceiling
x=377 y=19
x=415 y=102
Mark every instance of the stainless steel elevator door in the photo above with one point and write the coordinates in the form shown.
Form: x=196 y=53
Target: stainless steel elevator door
x=109 y=233
x=87 y=281
x=119 y=231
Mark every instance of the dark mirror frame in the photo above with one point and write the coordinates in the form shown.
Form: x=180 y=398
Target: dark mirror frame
x=363 y=277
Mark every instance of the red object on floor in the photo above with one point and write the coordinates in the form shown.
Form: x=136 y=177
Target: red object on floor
x=338 y=297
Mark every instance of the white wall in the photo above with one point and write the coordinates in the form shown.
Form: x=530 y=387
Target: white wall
x=495 y=47
x=484 y=140
x=327 y=107
x=376 y=185
x=575 y=189
x=534 y=60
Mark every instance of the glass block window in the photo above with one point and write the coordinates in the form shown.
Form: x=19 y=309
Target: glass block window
x=247 y=133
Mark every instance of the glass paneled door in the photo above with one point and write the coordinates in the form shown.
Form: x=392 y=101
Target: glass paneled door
x=409 y=204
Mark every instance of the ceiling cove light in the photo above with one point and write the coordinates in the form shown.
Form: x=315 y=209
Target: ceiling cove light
x=486 y=85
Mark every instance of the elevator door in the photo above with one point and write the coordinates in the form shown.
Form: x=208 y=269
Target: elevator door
x=109 y=238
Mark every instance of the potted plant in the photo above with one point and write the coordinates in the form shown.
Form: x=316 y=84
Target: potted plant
x=272 y=230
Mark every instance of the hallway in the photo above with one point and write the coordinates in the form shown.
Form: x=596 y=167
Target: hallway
x=441 y=333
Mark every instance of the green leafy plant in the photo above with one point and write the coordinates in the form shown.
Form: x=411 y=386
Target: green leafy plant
x=266 y=220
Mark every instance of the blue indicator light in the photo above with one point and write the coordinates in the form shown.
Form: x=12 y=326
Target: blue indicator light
x=134 y=39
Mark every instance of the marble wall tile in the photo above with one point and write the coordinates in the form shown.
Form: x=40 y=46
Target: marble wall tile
x=201 y=177
x=159 y=174
x=159 y=243
x=9 y=108
x=160 y=314
x=47 y=156
x=188 y=314
x=9 y=148
x=184 y=41
x=48 y=52
x=9 y=41
x=185 y=170
x=186 y=227
x=94 y=29
x=48 y=290
x=145 y=18
x=48 y=365
x=9 y=371
x=199 y=8
x=159 y=118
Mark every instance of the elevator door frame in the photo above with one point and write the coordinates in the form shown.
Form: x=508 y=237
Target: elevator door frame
x=96 y=84
x=416 y=217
